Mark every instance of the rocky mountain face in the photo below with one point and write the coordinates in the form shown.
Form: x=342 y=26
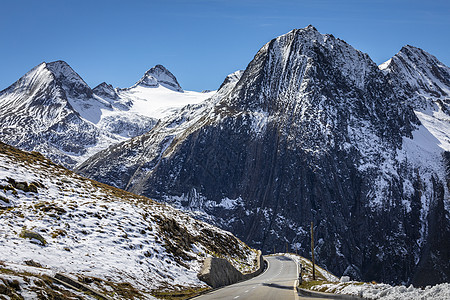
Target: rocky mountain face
x=53 y=111
x=106 y=90
x=312 y=130
x=417 y=71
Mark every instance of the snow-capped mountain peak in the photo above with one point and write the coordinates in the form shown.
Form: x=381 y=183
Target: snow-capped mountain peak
x=420 y=70
x=313 y=130
x=284 y=62
x=159 y=75
x=310 y=27
x=425 y=82
x=106 y=90
x=158 y=94
x=28 y=92
x=52 y=110
x=62 y=70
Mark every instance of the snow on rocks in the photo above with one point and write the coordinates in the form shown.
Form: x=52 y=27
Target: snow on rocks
x=52 y=110
x=91 y=230
x=345 y=285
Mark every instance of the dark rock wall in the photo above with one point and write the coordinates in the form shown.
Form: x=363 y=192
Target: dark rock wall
x=310 y=132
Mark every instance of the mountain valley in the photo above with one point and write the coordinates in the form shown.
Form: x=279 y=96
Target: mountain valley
x=311 y=131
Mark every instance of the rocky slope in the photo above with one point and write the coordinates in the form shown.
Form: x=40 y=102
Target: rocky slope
x=119 y=243
x=425 y=82
x=53 y=111
x=312 y=130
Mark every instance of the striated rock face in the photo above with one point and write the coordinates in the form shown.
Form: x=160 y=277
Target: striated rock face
x=312 y=130
x=419 y=72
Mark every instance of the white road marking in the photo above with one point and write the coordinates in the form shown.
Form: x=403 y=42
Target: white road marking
x=236 y=297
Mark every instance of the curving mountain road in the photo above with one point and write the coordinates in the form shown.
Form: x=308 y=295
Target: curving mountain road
x=277 y=282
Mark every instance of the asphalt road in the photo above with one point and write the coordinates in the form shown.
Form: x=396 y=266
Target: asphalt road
x=277 y=282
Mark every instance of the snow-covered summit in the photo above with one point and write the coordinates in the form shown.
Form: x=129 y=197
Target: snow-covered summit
x=158 y=94
x=72 y=83
x=159 y=75
x=420 y=70
x=44 y=94
x=63 y=71
x=56 y=78
x=281 y=65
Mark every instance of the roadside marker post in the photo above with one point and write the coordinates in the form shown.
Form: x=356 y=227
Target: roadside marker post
x=312 y=251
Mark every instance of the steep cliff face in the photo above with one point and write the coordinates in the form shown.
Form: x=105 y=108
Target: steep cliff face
x=312 y=130
x=419 y=72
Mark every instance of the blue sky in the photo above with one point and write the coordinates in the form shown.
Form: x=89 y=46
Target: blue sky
x=200 y=41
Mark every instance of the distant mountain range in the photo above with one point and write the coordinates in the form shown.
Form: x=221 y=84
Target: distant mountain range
x=52 y=110
x=312 y=130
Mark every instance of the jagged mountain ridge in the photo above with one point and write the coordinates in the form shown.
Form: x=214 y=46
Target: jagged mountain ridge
x=429 y=76
x=106 y=90
x=52 y=110
x=312 y=131
x=425 y=81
